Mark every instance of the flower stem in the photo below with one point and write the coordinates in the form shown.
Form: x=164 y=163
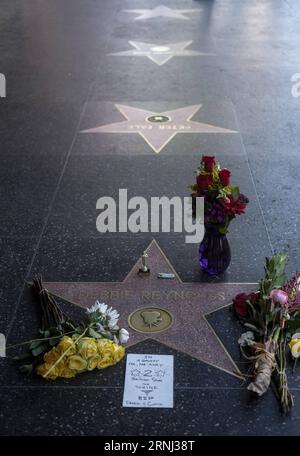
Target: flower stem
x=285 y=397
x=42 y=339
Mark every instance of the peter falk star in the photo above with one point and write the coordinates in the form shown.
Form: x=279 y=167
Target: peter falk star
x=158 y=128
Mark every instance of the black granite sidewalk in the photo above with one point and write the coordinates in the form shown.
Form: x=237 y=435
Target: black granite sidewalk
x=65 y=74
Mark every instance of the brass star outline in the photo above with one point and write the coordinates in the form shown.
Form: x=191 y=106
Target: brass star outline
x=161 y=11
x=160 y=53
x=189 y=302
x=158 y=134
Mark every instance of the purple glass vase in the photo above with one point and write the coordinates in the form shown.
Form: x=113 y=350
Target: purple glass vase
x=214 y=252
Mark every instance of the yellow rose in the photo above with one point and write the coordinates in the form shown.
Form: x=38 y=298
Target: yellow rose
x=66 y=372
x=105 y=346
x=119 y=352
x=77 y=363
x=93 y=362
x=87 y=347
x=52 y=356
x=106 y=361
x=61 y=365
x=294 y=345
x=111 y=351
x=42 y=370
x=101 y=343
x=67 y=344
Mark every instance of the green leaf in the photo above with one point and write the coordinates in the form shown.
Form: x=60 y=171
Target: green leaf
x=223 y=229
x=274 y=274
x=108 y=335
x=235 y=192
x=35 y=343
x=53 y=341
x=94 y=334
x=193 y=187
x=40 y=349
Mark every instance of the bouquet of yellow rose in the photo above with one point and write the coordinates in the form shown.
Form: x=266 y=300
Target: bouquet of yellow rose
x=65 y=348
x=74 y=355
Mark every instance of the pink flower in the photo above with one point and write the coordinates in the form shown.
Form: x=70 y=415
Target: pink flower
x=279 y=296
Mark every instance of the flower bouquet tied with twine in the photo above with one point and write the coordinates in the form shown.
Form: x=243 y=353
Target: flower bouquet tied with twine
x=272 y=319
x=65 y=348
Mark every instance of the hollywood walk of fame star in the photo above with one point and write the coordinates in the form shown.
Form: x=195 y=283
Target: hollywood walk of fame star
x=189 y=303
x=162 y=11
x=157 y=129
x=160 y=53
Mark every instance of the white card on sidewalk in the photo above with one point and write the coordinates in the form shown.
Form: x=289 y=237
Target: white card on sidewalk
x=149 y=381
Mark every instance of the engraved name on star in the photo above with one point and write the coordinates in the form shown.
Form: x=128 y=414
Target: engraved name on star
x=162 y=11
x=160 y=53
x=157 y=129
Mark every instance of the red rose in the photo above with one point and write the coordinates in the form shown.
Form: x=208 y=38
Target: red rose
x=224 y=175
x=209 y=162
x=204 y=181
x=233 y=207
x=254 y=297
x=239 y=304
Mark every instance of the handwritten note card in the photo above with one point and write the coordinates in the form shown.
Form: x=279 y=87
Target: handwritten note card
x=149 y=381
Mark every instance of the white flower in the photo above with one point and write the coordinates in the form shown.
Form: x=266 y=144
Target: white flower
x=123 y=336
x=102 y=307
x=246 y=339
x=106 y=317
x=113 y=317
x=91 y=309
